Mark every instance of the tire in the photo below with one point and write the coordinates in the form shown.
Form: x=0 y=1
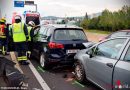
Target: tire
x=44 y=64
x=79 y=72
x=32 y=55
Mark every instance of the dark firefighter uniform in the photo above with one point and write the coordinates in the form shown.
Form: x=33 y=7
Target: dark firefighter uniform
x=31 y=28
x=20 y=36
x=29 y=41
x=3 y=36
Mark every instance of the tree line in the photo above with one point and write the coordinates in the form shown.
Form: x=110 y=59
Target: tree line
x=109 y=21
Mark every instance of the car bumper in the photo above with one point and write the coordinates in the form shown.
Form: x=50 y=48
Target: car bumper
x=68 y=59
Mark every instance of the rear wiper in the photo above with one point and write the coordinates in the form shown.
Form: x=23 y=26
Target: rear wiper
x=77 y=39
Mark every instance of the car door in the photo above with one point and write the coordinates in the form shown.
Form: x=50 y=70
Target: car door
x=121 y=78
x=36 y=41
x=104 y=57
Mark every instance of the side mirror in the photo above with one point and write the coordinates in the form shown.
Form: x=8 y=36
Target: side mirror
x=90 y=53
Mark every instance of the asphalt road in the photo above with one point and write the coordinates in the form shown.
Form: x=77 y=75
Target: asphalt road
x=61 y=78
x=2 y=81
x=58 y=78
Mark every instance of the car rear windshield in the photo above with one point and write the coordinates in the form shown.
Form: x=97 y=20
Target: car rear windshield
x=69 y=34
x=34 y=19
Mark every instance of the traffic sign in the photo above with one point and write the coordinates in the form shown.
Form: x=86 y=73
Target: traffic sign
x=29 y=2
x=18 y=3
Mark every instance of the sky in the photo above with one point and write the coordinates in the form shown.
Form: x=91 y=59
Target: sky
x=62 y=8
x=77 y=7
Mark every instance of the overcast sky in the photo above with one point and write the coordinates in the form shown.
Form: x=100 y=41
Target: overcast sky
x=77 y=7
x=61 y=8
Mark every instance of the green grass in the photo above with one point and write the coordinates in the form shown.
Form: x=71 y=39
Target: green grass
x=98 y=31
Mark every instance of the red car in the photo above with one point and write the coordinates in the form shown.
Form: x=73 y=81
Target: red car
x=115 y=34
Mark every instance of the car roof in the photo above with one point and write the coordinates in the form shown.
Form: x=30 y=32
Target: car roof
x=123 y=31
x=125 y=37
x=120 y=31
x=122 y=36
x=62 y=26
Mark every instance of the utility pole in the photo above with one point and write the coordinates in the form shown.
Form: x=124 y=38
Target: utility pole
x=66 y=20
x=36 y=7
x=0 y=13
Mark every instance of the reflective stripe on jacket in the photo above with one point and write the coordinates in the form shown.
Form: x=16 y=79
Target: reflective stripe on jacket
x=18 y=32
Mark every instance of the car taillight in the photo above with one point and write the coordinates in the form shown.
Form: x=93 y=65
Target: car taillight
x=54 y=45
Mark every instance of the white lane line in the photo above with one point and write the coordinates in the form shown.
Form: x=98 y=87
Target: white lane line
x=14 y=59
x=38 y=77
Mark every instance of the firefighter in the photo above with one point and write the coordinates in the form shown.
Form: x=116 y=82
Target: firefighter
x=3 y=35
x=31 y=27
x=19 y=34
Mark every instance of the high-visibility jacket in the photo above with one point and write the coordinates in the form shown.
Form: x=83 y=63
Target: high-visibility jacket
x=18 y=32
x=29 y=30
x=2 y=31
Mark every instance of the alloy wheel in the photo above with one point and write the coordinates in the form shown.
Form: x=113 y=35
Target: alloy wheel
x=42 y=60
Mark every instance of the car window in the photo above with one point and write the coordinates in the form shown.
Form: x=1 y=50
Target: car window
x=34 y=19
x=118 y=34
x=49 y=31
x=69 y=35
x=45 y=31
x=109 y=49
x=42 y=30
x=127 y=56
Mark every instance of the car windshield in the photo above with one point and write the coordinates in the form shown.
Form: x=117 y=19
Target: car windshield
x=75 y=35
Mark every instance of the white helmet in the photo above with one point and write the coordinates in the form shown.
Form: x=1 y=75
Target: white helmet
x=31 y=23
x=18 y=17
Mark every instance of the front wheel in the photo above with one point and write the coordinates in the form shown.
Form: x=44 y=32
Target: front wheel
x=44 y=64
x=80 y=72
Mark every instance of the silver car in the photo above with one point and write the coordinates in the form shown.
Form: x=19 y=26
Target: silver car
x=106 y=64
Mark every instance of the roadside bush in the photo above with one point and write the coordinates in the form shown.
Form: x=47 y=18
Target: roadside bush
x=109 y=21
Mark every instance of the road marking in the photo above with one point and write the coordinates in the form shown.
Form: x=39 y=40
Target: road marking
x=40 y=69
x=38 y=77
x=75 y=82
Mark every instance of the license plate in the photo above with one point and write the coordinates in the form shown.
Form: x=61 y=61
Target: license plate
x=72 y=51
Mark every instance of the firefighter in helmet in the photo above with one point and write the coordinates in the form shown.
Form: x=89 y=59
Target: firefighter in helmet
x=31 y=28
x=20 y=35
x=3 y=32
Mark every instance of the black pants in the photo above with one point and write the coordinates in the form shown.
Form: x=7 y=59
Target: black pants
x=3 y=42
x=21 y=48
x=30 y=45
